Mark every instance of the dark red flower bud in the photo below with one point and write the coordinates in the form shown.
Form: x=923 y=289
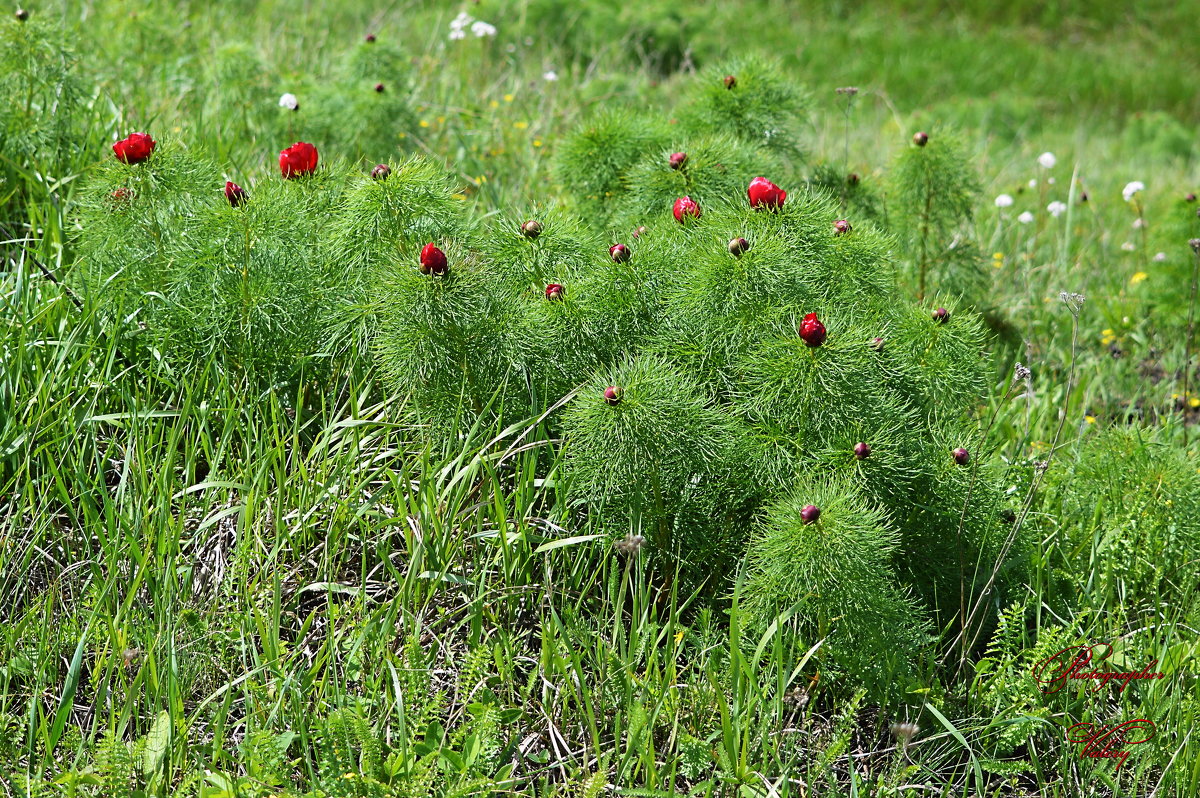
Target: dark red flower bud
x=370 y=38
x=297 y=160
x=852 y=178
x=122 y=194
x=1008 y=516
x=433 y=260
x=22 y=15
x=841 y=227
x=685 y=206
x=554 y=291
x=862 y=451
x=730 y=81
x=877 y=344
x=531 y=229
x=1083 y=196
x=812 y=331
x=765 y=194
x=961 y=456
x=134 y=148
x=612 y=395
x=738 y=246
x=941 y=315
x=921 y=138
x=381 y=172
x=1190 y=198
x=235 y=194
x=638 y=232
x=619 y=253
x=809 y=513
x=379 y=87
x=677 y=160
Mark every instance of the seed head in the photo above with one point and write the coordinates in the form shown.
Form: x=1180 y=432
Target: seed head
x=630 y=545
x=904 y=732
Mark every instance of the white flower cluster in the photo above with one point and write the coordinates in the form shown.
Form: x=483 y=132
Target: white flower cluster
x=289 y=102
x=1132 y=188
x=459 y=25
x=1057 y=208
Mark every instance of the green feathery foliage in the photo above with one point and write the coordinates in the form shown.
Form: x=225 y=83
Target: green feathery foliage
x=931 y=193
x=593 y=161
x=160 y=246
x=759 y=106
x=837 y=574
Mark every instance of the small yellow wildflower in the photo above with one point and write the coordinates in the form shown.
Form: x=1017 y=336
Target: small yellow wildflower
x=460 y=197
x=441 y=120
x=1194 y=401
x=508 y=98
x=1137 y=278
x=520 y=125
x=679 y=637
x=494 y=104
x=1090 y=419
x=537 y=142
x=479 y=181
x=998 y=256
x=424 y=123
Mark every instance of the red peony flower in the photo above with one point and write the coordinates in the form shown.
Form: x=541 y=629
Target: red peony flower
x=677 y=160
x=765 y=194
x=686 y=206
x=298 y=159
x=619 y=253
x=554 y=291
x=433 y=260
x=235 y=194
x=134 y=148
x=812 y=331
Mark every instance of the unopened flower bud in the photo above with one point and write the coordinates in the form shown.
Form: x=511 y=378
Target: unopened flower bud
x=381 y=172
x=862 y=451
x=920 y=138
x=841 y=227
x=612 y=395
x=531 y=229
x=961 y=456
x=738 y=246
x=730 y=81
x=677 y=160
x=809 y=513
x=941 y=315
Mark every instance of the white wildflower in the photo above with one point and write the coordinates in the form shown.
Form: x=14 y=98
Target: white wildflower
x=1159 y=257
x=1004 y=201
x=1132 y=188
x=481 y=29
x=1139 y=223
x=1025 y=218
x=1047 y=160
x=1056 y=208
x=1033 y=182
x=289 y=102
x=1128 y=246
x=550 y=75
